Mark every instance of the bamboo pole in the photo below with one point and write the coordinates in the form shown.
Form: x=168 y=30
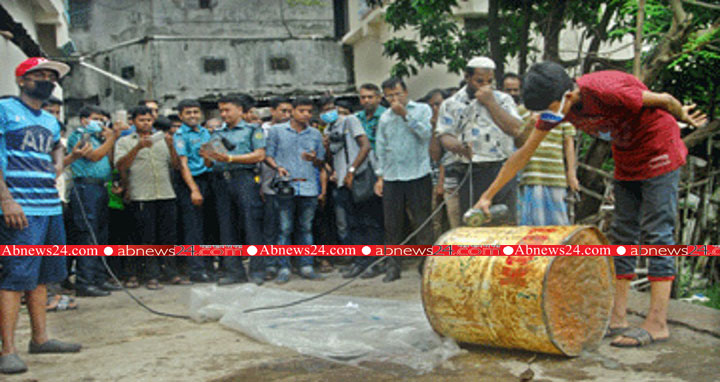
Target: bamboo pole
x=637 y=62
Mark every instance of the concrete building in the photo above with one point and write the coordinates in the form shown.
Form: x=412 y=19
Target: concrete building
x=30 y=28
x=367 y=31
x=176 y=49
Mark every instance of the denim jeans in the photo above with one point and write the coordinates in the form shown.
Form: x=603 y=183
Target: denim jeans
x=296 y=216
x=90 y=216
x=270 y=220
x=343 y=214
x=645 y=214
x=364 y=222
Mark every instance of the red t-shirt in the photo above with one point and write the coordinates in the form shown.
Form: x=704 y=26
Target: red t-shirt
x=645 y=141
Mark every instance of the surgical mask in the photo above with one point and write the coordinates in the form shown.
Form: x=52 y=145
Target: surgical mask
x=42 y=91
x=554 y=117
x=94 y=127
x=330 y=116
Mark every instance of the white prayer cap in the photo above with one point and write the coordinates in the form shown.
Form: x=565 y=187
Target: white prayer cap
x=481 y=62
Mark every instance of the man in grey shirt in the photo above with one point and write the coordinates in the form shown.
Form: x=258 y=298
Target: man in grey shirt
x=358 y=222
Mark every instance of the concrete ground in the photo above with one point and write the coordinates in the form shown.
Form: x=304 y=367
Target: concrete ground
x=122 y=342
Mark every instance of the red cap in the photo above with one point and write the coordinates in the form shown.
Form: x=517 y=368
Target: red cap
x=37 y=63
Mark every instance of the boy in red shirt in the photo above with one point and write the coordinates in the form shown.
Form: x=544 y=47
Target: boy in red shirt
x=648 y=152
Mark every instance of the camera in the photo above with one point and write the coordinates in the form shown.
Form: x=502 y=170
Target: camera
x=283 y=187
x=337 y=141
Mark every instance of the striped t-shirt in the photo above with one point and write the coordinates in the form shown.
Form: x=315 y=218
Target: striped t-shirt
x=27 y=138
x=547 y=165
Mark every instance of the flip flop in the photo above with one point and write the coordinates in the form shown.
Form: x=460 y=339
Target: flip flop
x=153 y=285
x=53 y=346
x=614 y=332
x=132 y=283
x=177 y=280
x=12 y=364
x=63 y=303
x=640 y=335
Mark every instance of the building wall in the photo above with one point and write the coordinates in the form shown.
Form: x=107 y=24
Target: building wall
x=253 y=37
x=45 y=22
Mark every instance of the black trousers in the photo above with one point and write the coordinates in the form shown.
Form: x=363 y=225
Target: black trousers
x=483 y=175
x=156 y=225
x=412 y=198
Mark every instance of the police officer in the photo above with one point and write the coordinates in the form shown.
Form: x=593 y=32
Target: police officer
x=237 y=148
x=195 y=174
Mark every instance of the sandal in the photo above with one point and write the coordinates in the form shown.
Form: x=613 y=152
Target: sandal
x=614 y=332
x=153 y=284
x=326 y=267
x=132 y=283
x=641 y=336
x=177 y=280
x=59 y=303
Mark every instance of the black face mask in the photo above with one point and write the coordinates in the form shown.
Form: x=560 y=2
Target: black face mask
x=42 y=90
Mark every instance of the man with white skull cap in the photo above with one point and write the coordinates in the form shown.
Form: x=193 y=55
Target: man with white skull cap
x=479 y=124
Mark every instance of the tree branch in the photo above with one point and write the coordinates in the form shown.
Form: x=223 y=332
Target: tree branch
x=702 y=4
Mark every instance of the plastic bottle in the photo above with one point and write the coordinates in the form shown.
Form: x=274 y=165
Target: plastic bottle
x=499 y=214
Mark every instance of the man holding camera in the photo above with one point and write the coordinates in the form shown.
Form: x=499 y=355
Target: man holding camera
x=295 y=151
x=236 y=149
x=89 y=198
x=31 y=158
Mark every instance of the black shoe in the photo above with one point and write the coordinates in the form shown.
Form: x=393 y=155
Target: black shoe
x=66 y=284
x=91 y=291
x=201 y=278
x=353 y=272
x=109 y=287
x=392 y=275
x=372 y=273
x=229 y=280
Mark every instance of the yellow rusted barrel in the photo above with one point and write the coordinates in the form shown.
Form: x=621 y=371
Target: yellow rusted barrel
x=557 y=305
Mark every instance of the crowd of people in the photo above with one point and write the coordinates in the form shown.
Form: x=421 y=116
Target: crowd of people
x=316 y=172
x=313 y=172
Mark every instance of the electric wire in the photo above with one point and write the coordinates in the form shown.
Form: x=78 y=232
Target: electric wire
x=468 y=174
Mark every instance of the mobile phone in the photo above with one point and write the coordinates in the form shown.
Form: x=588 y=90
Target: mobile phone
x=120 y=116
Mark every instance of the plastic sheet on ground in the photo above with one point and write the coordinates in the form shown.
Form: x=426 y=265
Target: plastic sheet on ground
x=346 y=329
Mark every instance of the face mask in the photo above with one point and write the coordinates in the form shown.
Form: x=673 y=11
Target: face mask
x=93 y=127
x=329 y=116
x=42 y=91
x=554 y=117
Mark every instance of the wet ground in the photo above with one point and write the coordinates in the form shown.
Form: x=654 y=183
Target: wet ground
x=122 y=342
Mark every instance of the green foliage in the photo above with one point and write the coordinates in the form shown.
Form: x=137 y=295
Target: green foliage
x=692 y=76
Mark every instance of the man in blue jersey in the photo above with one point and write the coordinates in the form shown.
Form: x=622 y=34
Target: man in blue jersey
x=31 y=157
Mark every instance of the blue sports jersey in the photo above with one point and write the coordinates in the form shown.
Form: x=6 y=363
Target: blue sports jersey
x=27 y=138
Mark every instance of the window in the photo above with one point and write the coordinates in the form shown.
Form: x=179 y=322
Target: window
x=205 y=4
x=80 y=12
x=281 y=64
x=127 y=72
x=214 y=65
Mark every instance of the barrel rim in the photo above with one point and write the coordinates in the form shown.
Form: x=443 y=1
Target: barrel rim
x=599 y=234
x=544 y=310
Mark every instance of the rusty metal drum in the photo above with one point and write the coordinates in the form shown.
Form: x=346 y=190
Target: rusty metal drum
x=548 y=304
